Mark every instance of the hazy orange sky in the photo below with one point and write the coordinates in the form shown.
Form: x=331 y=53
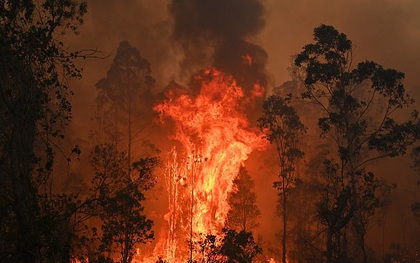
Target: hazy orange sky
x=386 y=31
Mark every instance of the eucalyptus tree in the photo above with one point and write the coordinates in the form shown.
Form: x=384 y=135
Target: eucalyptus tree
x=283 y=128
x=124 y=98
x=357 y=104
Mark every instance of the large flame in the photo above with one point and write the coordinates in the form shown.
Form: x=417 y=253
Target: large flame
x=216 y=139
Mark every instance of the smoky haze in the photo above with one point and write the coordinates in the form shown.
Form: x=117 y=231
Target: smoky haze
x=216 y=33
x=182 y=36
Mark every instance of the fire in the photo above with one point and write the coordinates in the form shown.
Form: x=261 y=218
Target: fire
x=216 y=138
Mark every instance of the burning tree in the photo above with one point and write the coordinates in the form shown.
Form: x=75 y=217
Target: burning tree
x=210 y=125
x=174 y=175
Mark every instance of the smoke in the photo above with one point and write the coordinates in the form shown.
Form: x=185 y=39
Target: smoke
x=217 y=33
x=385 y=31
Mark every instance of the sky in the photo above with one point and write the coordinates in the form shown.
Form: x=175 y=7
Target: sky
x=385 y=31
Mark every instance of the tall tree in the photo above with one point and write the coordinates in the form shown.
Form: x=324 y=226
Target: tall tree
x=356 y=105
x=124 y=99
x=123 y=104
x=35 y=67
x=244 y=212
x=283 y=127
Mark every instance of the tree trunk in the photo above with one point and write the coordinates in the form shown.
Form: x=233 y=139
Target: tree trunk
x=129 y=126
x=330 y=246
x=284 y=220
x=20 y=161
x=126 y=250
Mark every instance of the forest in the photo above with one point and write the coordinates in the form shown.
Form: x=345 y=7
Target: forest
x=196 y=154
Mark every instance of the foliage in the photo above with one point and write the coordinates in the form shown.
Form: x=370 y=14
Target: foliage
x=123 y=99
x=243 y=213
x=121 y=177
x=283 y=127
x=209 y=248
x=357 y=106
x=239 y=247
x=35 y=67
x=230 y=247
x=118 y=200
x=415 y=157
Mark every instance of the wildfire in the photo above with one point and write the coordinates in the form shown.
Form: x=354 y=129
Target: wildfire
x=216 y=139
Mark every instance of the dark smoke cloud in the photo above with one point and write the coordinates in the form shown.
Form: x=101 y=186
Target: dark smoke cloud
x=220 y=18
x=216 y=33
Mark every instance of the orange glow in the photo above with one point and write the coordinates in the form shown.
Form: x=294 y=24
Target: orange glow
x=216 y=138
x=247 y=59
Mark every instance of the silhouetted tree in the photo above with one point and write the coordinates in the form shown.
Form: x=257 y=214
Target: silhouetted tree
x=239 y=247
x=124 y=100
x=282 y=127
x=415 y=157
x=35 y=67
x=209 y=247
x=243 y=213
x=229 y=247
x=357 y=105
x=118 y=200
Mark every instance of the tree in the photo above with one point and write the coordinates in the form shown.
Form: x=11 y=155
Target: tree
x=415 y=157
x=282 y=127
x=229 y=247
x=118 y=200
x=124 y=98
x=35 y=67
x=239 y=247
x=356 y=106
x=123 y=102
x=210 y=249
x=243 y=213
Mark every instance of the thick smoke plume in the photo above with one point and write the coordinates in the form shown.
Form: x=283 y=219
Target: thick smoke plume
x=217 y=33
